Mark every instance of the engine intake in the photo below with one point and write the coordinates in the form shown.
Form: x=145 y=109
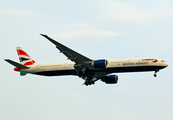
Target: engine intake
x=111 y=79
x=100 y=63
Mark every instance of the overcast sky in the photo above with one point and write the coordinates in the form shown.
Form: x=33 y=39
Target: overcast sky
x=111 y=29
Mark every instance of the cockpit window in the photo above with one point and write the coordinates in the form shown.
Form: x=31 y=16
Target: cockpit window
x=162 y=61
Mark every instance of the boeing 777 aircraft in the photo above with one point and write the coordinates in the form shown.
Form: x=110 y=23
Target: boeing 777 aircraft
x=88 y=69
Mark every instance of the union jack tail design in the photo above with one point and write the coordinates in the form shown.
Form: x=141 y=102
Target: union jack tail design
x=24 y=58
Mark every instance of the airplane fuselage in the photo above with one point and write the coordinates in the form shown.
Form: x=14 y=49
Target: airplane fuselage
x=114 y=66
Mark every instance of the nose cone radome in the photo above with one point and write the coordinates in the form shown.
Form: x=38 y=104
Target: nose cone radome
x=166 y=64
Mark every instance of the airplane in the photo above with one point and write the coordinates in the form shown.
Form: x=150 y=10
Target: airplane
x=88 y=69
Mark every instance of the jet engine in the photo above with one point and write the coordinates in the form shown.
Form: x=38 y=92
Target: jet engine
x=100 y=63
x=110 y=79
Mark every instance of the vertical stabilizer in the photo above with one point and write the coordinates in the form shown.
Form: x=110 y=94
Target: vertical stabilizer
x=24 y=58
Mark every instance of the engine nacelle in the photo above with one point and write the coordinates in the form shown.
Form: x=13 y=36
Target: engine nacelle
x=100 y=63
x=111 y=79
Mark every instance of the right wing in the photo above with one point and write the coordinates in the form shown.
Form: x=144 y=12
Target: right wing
x=69 y=53
x=82 y=63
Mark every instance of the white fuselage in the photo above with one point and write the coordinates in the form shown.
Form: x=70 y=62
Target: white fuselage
x=114 y=66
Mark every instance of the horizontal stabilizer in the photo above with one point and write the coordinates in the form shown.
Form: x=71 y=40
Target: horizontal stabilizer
x=18 y=65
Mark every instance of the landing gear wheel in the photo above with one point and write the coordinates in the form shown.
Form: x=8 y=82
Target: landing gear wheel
x=155 y=75
x=92 y=82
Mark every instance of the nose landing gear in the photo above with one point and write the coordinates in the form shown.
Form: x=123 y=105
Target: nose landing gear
x=155 y=75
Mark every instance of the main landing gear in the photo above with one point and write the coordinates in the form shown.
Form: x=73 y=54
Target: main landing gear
x=155 y=75
x=89 y=83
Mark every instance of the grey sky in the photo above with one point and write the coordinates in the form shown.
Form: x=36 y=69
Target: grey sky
x=97 y=29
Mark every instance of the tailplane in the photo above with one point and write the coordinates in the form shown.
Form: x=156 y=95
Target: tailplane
x=24 y=58
x=17 y=65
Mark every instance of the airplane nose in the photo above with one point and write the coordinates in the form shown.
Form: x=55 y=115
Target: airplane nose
x=166 y=64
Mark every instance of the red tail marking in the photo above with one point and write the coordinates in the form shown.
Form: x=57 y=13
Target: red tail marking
x=29 y=63
x=21 y=52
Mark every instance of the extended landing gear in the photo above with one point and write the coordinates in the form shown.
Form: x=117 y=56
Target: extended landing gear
x=155 y=75
x=89 y=80
x=89 y=83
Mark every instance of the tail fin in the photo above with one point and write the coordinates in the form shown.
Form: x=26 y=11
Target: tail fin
x=24 y=58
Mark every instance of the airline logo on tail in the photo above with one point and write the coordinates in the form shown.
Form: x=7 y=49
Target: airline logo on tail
x=24 y=58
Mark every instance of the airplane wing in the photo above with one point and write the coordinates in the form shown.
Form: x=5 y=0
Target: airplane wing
x=69 y=53
x=82 y=63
